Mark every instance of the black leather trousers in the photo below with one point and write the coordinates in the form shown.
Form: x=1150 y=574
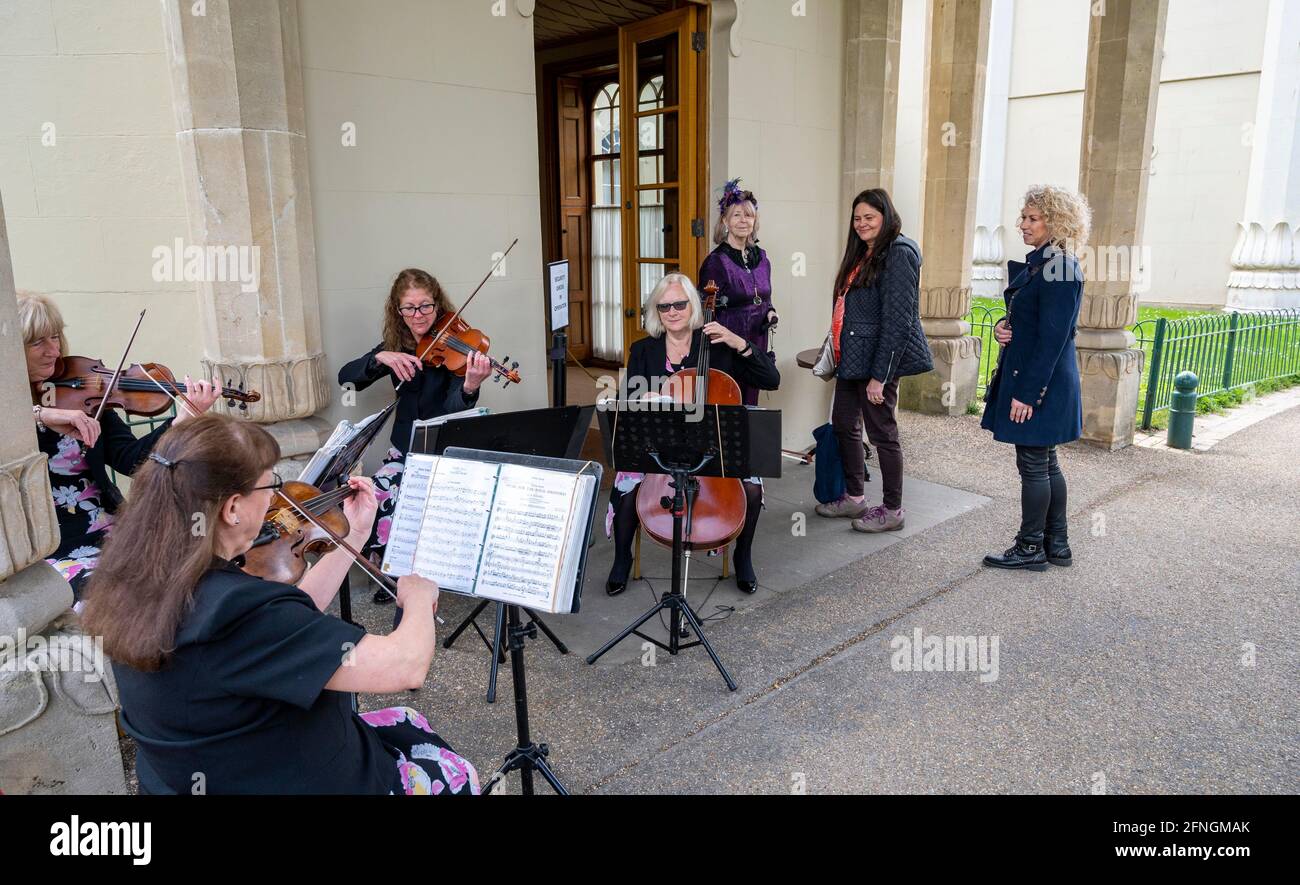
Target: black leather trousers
x=1042 y=494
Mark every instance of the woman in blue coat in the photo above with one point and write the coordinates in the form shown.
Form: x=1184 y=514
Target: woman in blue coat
x=1034 y=401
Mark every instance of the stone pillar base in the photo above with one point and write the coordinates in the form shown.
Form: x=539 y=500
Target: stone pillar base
x=299 y=439
x=1110 y=393
x=58 y=732
x=951 y=386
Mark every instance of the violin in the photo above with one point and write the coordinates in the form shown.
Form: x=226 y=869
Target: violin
x=287 y=538
x=451 y=341
x=146 y=389
x=302 y=520
x=718 y=515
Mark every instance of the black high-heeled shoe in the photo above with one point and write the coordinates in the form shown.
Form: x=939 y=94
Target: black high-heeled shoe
x=613 y=588
x=749 y=587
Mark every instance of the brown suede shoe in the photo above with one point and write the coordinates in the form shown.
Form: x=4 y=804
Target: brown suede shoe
x=878 y=519
x=842 y=509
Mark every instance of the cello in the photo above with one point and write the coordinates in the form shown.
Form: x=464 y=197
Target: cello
x=718 y=514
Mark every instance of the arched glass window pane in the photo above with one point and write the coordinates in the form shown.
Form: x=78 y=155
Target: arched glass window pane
x=604 y=115
x=652 y=93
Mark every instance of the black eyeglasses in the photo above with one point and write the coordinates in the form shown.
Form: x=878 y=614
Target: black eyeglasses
x=275 y=485
x=666 y=306
x=422 y=309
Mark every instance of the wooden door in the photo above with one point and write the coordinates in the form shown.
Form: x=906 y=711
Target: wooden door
x=575 y=200
x=658 y=82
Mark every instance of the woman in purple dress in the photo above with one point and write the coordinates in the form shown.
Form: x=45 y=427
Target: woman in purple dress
x=743 y=274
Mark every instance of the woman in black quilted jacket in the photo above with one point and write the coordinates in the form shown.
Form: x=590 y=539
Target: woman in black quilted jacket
x=877 y=335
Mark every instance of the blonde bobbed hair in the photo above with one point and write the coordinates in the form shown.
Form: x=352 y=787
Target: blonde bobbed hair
x=653 y=325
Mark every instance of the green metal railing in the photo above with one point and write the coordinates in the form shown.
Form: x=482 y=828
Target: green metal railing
x=1226 y=351
x=982 y=319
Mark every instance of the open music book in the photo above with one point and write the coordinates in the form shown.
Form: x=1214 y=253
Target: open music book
x=502 y=532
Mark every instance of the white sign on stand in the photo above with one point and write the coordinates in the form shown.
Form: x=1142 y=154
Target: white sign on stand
x=557 y=273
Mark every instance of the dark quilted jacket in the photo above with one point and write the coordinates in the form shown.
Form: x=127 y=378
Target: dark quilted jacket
x=882 y=338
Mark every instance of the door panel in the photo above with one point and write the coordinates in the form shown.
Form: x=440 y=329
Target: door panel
x=660 y=181
x=575 y=198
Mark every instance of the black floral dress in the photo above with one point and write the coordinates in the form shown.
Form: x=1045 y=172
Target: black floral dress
x=84 y=520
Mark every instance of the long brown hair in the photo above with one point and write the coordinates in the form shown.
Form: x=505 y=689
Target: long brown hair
x=164 y=539
x=396 y=336
x=855 y=251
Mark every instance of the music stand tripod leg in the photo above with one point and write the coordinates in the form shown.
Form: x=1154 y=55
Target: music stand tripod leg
x=527 y=756
x=498 y=656
x=541 y=625
x=464 y=624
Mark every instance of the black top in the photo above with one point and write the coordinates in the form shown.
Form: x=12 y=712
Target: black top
x=243 y=700
x=750 y=259
x=432 y=392
x=648 y=358
x=119 y=448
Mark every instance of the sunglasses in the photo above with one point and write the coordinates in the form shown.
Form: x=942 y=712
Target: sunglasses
x=665 y=307
x=422 y=309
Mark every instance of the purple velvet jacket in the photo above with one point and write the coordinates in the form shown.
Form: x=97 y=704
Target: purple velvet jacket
x=738 y=289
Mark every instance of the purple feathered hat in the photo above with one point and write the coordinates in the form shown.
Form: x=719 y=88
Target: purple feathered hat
x=733 y=194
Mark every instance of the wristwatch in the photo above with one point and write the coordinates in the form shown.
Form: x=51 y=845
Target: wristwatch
x=36 y=411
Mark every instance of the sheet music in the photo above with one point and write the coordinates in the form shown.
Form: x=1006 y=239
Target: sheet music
x=503 y=532
x=459 y=501
x=344 y=432
x=408 y=515
x=526 y=536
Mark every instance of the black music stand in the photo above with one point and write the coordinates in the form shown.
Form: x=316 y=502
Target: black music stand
x=529 y=756
x=683 y=442
x=546 y=433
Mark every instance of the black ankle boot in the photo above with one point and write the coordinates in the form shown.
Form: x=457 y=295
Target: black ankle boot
x=1024 y=555
x=1058 y=550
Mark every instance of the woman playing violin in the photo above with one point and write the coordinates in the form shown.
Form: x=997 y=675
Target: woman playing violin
x=245 y=680
x=414 y=305
x=675 y=321
x=81 y=449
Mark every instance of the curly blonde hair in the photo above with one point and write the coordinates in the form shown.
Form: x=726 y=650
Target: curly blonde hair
x=1066 y=213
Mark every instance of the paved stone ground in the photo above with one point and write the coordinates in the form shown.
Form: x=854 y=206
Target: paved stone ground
x=1125 y=669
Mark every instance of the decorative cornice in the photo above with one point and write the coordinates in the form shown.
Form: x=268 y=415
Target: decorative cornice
x=1266 y=259
x=988 y=248
x=29 y=527
x=1112 y=363
x=294 y=388
x=945 y=302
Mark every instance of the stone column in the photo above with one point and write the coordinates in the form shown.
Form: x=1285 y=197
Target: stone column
x=1266 y=259
x=1119 y=115
x=989 y=268
x=959 y=43
x=873 y=37
x=57 y=733
x=237 y=91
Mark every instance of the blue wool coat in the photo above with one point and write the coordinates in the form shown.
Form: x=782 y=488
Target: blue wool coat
x=1039 y=367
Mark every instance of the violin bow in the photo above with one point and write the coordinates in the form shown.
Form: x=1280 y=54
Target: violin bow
x=190 y=407
x=387 y=583
x=117 y=374
x=446 y=328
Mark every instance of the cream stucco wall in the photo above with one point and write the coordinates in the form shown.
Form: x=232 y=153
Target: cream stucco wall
x=86 y=211
x=1206 y=106
x=443 y=173
x=784 y=119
